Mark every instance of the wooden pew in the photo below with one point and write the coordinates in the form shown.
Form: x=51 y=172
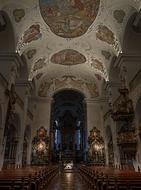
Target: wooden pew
x=104 y=178
x=30 y=178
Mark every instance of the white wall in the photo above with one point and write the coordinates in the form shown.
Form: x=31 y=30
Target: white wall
x=42 y=114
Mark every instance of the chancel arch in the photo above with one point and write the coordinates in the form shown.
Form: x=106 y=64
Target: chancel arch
x=68 y=130
x=70 y=94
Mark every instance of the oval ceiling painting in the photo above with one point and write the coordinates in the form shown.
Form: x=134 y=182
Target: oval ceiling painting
x=68 y=57
x=69 y=18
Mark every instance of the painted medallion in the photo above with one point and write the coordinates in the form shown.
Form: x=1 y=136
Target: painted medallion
x=68 y=57
x=69 y=18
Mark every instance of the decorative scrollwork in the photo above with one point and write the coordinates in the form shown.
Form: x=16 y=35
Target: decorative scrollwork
x=40 y=147
x=96 y=146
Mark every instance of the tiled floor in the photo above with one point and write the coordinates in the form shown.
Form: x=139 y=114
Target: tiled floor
x=67 y=181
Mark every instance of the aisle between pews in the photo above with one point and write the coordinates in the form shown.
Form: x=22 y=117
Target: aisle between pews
x=67 y=181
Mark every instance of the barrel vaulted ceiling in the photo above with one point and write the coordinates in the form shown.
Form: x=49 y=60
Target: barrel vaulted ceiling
x=76 y=38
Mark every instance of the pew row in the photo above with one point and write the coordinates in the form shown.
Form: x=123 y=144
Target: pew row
x=30 y=178
x=101 y=178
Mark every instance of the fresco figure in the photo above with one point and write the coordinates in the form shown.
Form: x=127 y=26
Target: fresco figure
x=68 y=57
x=69 y=18
x=32 y=33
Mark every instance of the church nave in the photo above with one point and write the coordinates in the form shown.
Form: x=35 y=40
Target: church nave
x=70 y=94
x=67 y=181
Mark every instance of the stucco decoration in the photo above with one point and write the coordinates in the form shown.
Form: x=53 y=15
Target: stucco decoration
x=59 y=83
x=69 y=18
x=39 y=64
x=67 y=82
x=18 y=14
x=98 y=77
x=106 y=54
x=45 y=85
x=96 y=64
x=105 y=34
x=99 y=65
x=119 y=16
x=68 y=57
x=77 y=83
x=38 y=76
x=92 y=90
x=31 y=53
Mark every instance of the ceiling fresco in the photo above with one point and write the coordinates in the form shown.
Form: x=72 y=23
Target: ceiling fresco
x=68 y=57
x=69 y=37
x=69 y=18
x=96 y=64
x=105 y=34
x=31 y=34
